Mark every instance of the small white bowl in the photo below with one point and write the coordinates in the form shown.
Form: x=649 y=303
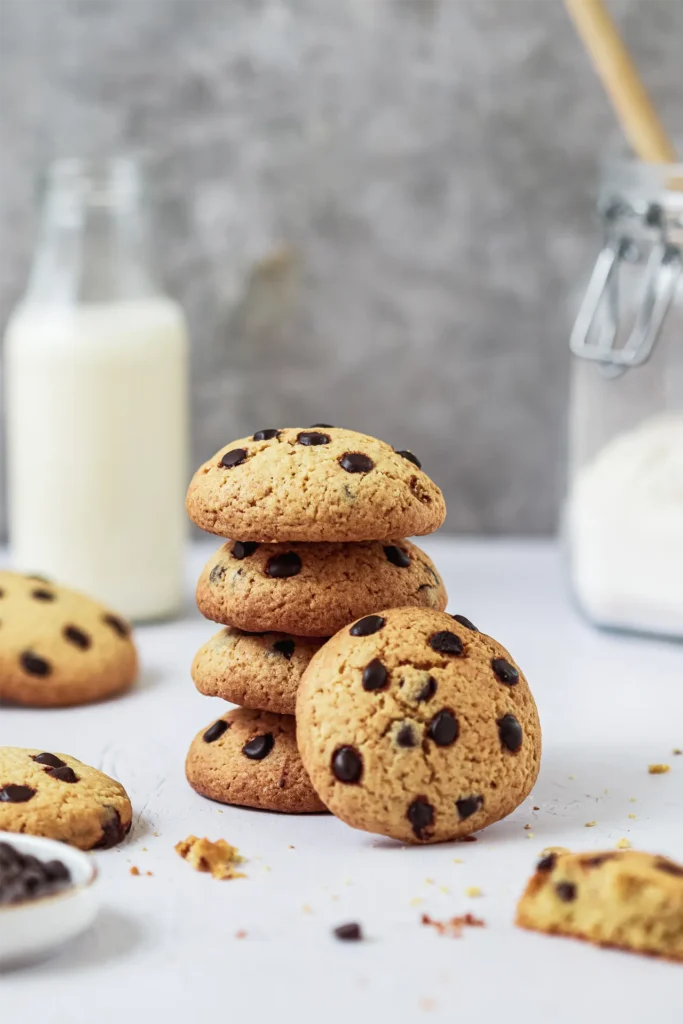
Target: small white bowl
x=30 y=930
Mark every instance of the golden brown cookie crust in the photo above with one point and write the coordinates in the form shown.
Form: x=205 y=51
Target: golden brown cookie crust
x=259 y=671
x=625 y=899
x=376 y=719
x=61 y=798
x=272 y=778
x=59 y=647
x=334 y=584
x=284 y=490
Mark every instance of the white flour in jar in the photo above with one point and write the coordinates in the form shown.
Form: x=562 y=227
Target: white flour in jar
x=625 y=523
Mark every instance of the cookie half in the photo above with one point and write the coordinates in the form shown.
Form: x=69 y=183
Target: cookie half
x=314 y=484
x=314 y=589
x=59 y=647
x=413 y=724
x=250 y=758
x=56 y=796
x=255 y=670
x=627 y=899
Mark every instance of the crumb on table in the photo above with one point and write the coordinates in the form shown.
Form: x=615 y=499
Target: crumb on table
x=473 y=890
x=658 y=769
x=590 y=824
x=454 y=926
x=624 y=844
x=135 y=871
x=219 y=858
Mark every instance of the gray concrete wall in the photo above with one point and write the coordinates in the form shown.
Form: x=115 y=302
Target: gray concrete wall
x=376 y=212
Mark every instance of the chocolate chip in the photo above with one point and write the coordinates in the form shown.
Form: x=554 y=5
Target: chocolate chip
x=259 y=747
x=464 y=621
x=311 y=438
x=670 y=868
x=405 y=737
x=215 y=731
x=347 y=765
x=375 y=676
x=349 y=932
x=113 y=830
x=77 y=637
x=34 y=665
x=13 y=794
x=329 y=426
x=505 y=672
x=446 y=643
x=397 y=556
x=411 y=458
x=265 y=435
x=428 y=690
x=284 y=647
x=235 y=457
x=355 y=462
x=51 y=760
x=62 y=773
x=217 y=573
x=242 y=549
x=547 y=863
x=566 y=891
x=43 y=595
x=510 y=732
x=120 y=627
x=420 y=814
x=281 y=567
x=367 y=626
x=443 y=728
x=598 y=859
x=468 y=806
x=56 y=871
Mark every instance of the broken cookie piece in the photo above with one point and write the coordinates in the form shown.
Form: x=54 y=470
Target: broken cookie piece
x=219 y=858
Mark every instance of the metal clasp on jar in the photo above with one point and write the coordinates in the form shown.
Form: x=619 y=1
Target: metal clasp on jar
x=596 y=330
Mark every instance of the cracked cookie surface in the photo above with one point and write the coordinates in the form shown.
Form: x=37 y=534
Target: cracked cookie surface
x=627 y=899
x=314 y=484
x=314 y=589
x=250 y=758
x=255 y=670
x=59 y=647
x=414 y=725
x=57 y=796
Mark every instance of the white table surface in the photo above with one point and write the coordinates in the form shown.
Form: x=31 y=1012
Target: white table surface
x=165 y=946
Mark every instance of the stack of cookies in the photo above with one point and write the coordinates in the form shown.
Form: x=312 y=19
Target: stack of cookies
x=316 y=520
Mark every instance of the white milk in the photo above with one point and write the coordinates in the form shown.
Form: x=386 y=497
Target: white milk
x=96 y=441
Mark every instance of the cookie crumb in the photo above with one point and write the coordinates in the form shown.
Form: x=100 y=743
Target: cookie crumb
x=458 y=860
x=427 y=1004
x=677 y=751
x=536 y=808
x=632 y=816
x=135 y=871
x=290 y=847
x=416 y=901
x=429 y=881
x=658 y=769
x=306 y=909
x=241 y=934
x=530 y=835
x=351 y=932
x=590 y=824
x=473 y=890
x=527 y=827
x=454 y=926
x=632 y=800
x=219 y=858
x=624 y=844
x=444 y=889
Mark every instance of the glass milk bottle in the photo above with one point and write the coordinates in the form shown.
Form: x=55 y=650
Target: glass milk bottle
x=624 y=515
x=96 y=399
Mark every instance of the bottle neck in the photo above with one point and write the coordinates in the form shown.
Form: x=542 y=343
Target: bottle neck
x=92 y=241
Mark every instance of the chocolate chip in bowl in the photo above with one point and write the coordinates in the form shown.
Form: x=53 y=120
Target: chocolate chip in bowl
x=47 y=896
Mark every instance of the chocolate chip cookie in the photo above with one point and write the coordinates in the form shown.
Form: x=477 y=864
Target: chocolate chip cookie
x=250 y=758
x=256 y=670
x=628 y=899
x=54 y=795
x=314 y=589
x=314 y=484
x=413 y=724
x=58 y=647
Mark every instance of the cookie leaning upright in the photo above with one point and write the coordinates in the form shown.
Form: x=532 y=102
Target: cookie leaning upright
x=314 y=485
x=59 y=647
x=413 y=724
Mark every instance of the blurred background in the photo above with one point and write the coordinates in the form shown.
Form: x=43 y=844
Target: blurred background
x=377 y=213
